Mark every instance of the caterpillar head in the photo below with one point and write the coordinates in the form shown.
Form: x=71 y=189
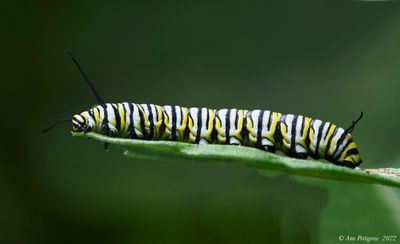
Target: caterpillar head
x=82 y=122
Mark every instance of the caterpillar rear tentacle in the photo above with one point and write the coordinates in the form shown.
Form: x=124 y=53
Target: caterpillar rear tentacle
x=295 y=136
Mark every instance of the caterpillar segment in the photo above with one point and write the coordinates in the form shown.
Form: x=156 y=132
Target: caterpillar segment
x=261 y=126
x=175 y=121
x=296 y=136
x=201 y=125
x=229 y=126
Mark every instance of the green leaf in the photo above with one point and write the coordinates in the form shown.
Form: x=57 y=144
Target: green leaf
x=242 y=155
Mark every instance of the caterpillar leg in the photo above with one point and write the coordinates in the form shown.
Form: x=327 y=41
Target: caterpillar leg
x=234 y=141
x=299 y=155
x=203 y=141
x=268 y=148
x=106 y=146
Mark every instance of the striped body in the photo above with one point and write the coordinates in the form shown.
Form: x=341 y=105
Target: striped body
x=296 y=136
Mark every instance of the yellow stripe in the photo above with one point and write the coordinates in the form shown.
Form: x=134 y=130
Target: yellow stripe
x=146 y=120
x=330 y=134
x=157 y=124
x=306 y=125
x=250 y=129
x=167 y=131
x=218 y=126
x=181 y=129
x=211 y=116
x=311 y=137
x=122 y=116
x=275 y=118
x=96 y=115
x=238 y=133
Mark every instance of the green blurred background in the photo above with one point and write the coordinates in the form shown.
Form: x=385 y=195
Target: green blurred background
x=327 y=60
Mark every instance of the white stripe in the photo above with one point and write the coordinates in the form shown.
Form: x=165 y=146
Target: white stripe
x=136 y=120
x=254 y=117
x=321 y=143
x=317 y=123
x=179 y=120
x=168 y=111
x=203 y=122
x=222 y=117
x=341 y=148
x=110 y=113
x=193 y=113
x=101 y=118
x=298 y=147
x=232 y=129
x=288 y=121
x=111 y=117
x=299 y=124
x=264 y=125
x=127 y=116
x=146 y=114
x=339 y=133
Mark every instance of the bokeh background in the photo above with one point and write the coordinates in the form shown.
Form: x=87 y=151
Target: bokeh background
x=327 y=60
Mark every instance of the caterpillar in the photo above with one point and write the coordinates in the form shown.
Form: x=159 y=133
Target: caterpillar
x=296 y=136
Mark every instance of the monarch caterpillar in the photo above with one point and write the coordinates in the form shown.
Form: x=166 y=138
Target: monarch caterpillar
x=296 y=136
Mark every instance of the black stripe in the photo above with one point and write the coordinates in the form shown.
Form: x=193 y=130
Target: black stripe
x=328 y=145
x=321 y=128
x=186 y=132
x=293 y=137
x=244 y=132
x=308 y=140
x=199 y=120
x=117 y=117
x=259 y=127
x=250 y=118
x=181 y=112
x=174 y=121
x=162 y=126
x=98 y=111
x=156 y=129
x=278 y=133
x=131 y=128
x=214 y=132
x=327 y=131
x=150 y=117
x=142 y=125
x=352 y=151
x=270 y=120
x=236 y=119
x=227 y=126
x=105 y=123
x=302 y=126
x=76 y=120
x=326 y=134
x=339 y=142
